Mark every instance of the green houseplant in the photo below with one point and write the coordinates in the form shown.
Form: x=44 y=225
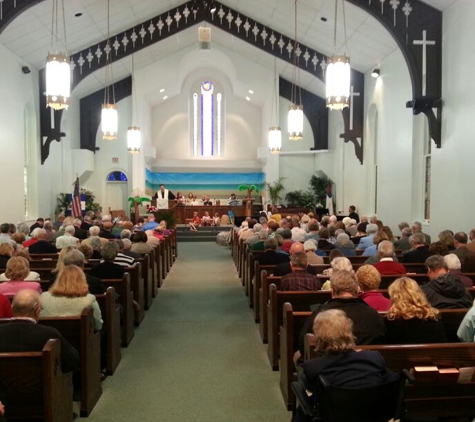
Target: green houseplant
x=319 y=185
x=275 y=190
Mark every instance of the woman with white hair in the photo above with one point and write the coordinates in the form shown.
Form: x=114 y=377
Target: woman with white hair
x=454 y=266
x=310 y=247
x=337 y=264
x=345 y=245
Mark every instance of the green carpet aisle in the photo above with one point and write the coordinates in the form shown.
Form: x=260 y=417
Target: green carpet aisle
x=197 y=356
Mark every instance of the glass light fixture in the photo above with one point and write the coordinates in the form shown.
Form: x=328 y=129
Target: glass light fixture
x=58 y=69
x=295 y=116
x=134 y=139
x=338 y=72
x=109 y=115
x=134 y=136
x=274 y=136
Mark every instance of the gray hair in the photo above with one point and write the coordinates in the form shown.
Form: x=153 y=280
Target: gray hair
x=109 y=251
x=125 y=234
x=418 y=239
x=74 y=257
x=310 y=245
x=406 y=232
x=257 y=228
x=263 y=234
x=23 y=228
x=34 y=233
x=69 y=229
x=435 y=262
x=385 y=249
x=343 y=240
x=94 y=231
x=25 y=303
x=342 y=263
x=452 y=261
x=371 y=228
x=77 y=221
x=271 y=243
x=95 y=242
x=127 y=243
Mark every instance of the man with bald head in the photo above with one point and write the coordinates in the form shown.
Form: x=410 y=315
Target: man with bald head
x=286 y=268
x=42 y=245
x=23 y=334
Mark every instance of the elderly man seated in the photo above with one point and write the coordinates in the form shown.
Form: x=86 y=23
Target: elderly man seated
x=454 y=266
x=299 y=279
x=42 y=245
x=386 y=264
x=67 y=239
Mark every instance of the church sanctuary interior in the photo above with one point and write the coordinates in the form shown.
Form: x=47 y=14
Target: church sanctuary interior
x=105 y=101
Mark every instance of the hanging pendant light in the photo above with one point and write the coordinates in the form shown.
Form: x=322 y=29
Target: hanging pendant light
x=134 y=136
x=109 y=115
x=338 y=72
x=58 y=69
x=295 y=116
x=274 y=137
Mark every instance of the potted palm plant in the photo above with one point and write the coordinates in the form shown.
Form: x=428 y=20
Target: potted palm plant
x=249 y=199
x=275 y=190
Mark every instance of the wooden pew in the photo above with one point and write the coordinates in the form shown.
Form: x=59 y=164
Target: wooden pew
x=137 y=286
x=79 y=332
x=262 y=297
x=434 y=400
x=34 y=387
x=111 y=327
x=126 y=300
x=147 y=281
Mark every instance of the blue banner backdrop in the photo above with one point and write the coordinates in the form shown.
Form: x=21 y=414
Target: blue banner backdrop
x=214 y=183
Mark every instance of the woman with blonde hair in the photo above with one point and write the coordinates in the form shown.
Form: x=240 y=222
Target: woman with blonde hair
x=17 y=272
x=446 y=237
x=69 y=296
x=6 y=252
x=60 y=263
x=338 y=361
x=369 y=279
x=411 y=319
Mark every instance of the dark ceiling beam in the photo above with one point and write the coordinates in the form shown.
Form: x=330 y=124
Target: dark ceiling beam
x=9 y=10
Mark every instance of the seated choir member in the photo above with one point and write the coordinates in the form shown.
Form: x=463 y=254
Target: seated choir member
x=369 y=279
x=69 y=296
x=338 y=361
x=411 y=319
x=216 y=219
x=206 y=219
x=17 y=271
x=195 y=222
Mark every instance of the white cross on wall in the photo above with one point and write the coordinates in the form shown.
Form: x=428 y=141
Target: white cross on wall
x=352 y=94
x=424 y=42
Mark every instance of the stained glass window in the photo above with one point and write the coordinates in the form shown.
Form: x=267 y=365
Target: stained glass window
x=207 y=126
x=117 y=176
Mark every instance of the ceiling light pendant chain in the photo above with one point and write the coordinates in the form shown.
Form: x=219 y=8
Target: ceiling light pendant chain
x=134 y=136
x=274 y=136
x=109 y=115
x=295 y=116
x=338 y=72
x=58 y=70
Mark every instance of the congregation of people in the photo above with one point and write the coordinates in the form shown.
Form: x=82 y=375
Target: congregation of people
x=112 y=246
x=358 y=313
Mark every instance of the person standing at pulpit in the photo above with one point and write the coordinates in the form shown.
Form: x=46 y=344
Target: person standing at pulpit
x=163 y=196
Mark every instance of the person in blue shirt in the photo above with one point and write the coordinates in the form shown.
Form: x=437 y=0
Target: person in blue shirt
x=150 y=224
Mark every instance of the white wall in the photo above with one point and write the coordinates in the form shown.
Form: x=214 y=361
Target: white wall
x=18 y=92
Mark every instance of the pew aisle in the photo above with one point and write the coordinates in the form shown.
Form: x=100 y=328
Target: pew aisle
x=197 y=356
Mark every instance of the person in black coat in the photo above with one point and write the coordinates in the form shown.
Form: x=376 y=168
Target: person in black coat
x=23 y=334
x=368 y=325
x=107 y=269
x=39 y=224
x=285 y=268
x=42 y=245
x=419 y=251
x=270 y=256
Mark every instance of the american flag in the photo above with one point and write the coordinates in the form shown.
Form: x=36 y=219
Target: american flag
x=76 y=205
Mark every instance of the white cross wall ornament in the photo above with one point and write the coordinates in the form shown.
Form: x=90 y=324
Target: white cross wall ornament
x=142 y=33
x=73 y=65
x=407 y=9
x=230 y=18
x=289 y=48
x=382 y=6
x=89 y=57
x=116 y=45
x=107 y=49
x=281 y=44
x=125 y=41
x=238 y=23
x=177 y=17
x=134 y=37
x=247 y=27
x=323 y=65
x=186 y=13
x=306 y=57
x=98 y=54
x=394 y=4
x=352 y=95
x=221 y=14
x=272 y=40
x=298 y=51
x=264 y=35
x=424 y=42
x=169 y=21
x=151 y=29
x=315 y=61
x=160 y=26
x=195 y=11
x=255 y=31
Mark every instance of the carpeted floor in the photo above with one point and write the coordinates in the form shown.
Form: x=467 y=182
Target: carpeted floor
x=197 y=356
